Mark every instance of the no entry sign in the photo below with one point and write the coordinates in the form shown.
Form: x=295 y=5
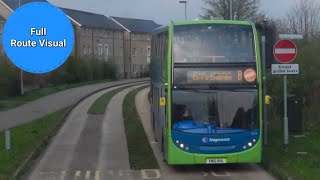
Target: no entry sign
x=285 y=51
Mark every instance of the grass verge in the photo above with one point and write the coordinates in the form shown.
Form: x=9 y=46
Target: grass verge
x=99 y=106
x=140 y=152
x=13 y=102
x=285 y=163
x=25 y=140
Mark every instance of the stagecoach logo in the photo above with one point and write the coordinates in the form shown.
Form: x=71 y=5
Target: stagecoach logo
x=205 y=140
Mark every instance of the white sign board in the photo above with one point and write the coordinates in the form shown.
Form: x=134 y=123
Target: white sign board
x=291 y=36
x=285 y=69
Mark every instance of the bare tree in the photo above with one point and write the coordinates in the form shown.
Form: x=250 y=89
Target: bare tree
x=242 y=10
x=304 y=18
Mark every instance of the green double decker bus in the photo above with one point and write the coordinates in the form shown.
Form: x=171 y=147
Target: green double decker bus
x=206 y=92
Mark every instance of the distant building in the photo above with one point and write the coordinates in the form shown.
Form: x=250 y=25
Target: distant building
x=137 y=44
x=98 y=37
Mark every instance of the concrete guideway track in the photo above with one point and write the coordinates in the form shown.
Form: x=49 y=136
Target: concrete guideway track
x=88 y=146
x=199 y=172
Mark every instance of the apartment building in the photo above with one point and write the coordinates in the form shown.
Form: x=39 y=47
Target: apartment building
x=98 y=37
x=137 y=44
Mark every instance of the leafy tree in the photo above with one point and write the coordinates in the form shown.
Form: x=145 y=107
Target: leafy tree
x=241 y=10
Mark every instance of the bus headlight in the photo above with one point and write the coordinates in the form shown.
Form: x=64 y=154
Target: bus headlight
x=250 y=144
x=182 y=146
x=177 y=141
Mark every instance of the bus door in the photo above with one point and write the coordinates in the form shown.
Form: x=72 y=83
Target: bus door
x=163 y=113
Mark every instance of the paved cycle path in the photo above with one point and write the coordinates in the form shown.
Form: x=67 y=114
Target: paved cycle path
x=52 y=103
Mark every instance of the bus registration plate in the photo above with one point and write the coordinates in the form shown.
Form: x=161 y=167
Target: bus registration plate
x=216 y=161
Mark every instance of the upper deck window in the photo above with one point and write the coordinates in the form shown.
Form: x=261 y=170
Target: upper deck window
x=213 y=43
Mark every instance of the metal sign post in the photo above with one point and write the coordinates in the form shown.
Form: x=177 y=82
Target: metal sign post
x=285 y=112
x=8 y=141
x=285 y=51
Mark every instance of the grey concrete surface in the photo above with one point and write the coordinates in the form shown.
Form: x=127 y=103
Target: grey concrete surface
x=89 y=147
x=232 y=172
x=51 y=103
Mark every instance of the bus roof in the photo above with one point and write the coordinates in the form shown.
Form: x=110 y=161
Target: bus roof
x=212 y=22
x=179 y=23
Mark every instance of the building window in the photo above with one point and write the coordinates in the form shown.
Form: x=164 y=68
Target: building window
x=106 y=52
x=100 y=51
x=84 y=50
x=134 y=52
x=141 y=51
x=1 y=27
x=148 y=37
x=149 y=51
x=89 y=50
x=133 y=68
x=133 y=36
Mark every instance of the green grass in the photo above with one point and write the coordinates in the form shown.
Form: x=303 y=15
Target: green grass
x=140 y=152
x=13 y=102
x=99 y=106
x=284 y=162
x=25 y=140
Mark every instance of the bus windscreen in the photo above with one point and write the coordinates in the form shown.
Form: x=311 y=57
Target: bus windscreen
x=213 y=43
x=214 y=111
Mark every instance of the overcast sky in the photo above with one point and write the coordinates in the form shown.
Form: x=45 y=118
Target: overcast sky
x=161 y=11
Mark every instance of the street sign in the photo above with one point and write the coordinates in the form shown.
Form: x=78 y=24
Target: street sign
x=284 y=69
x=285 y=51
x=291 y=36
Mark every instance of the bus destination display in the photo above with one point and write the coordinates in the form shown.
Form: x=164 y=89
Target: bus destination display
x=208 y=76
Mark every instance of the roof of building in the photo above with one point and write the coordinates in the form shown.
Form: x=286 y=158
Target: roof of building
x=14 y=4
x=92 y=19
x=137 y=25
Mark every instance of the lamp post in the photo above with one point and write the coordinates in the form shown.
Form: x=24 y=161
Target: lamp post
x=185 y=9
x=21 y=72
x=230 y=4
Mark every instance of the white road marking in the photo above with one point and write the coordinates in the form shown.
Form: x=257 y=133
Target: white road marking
x=226 y=173
x=77 y=175
x=97 y=176
x=145 y=175
x=63 y=175
x=87 y=175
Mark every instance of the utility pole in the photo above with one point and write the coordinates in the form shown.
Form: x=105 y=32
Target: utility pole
x=185 y=9
x=21 y=71
x=264 y=82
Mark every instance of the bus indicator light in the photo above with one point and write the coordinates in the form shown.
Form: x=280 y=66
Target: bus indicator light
x=162 y=101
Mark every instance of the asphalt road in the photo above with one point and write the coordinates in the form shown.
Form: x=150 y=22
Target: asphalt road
x=87 y=146
x=52 y=103
x=203 y=172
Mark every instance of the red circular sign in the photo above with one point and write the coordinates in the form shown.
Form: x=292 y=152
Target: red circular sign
x=285 y=51
x=249 y=75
